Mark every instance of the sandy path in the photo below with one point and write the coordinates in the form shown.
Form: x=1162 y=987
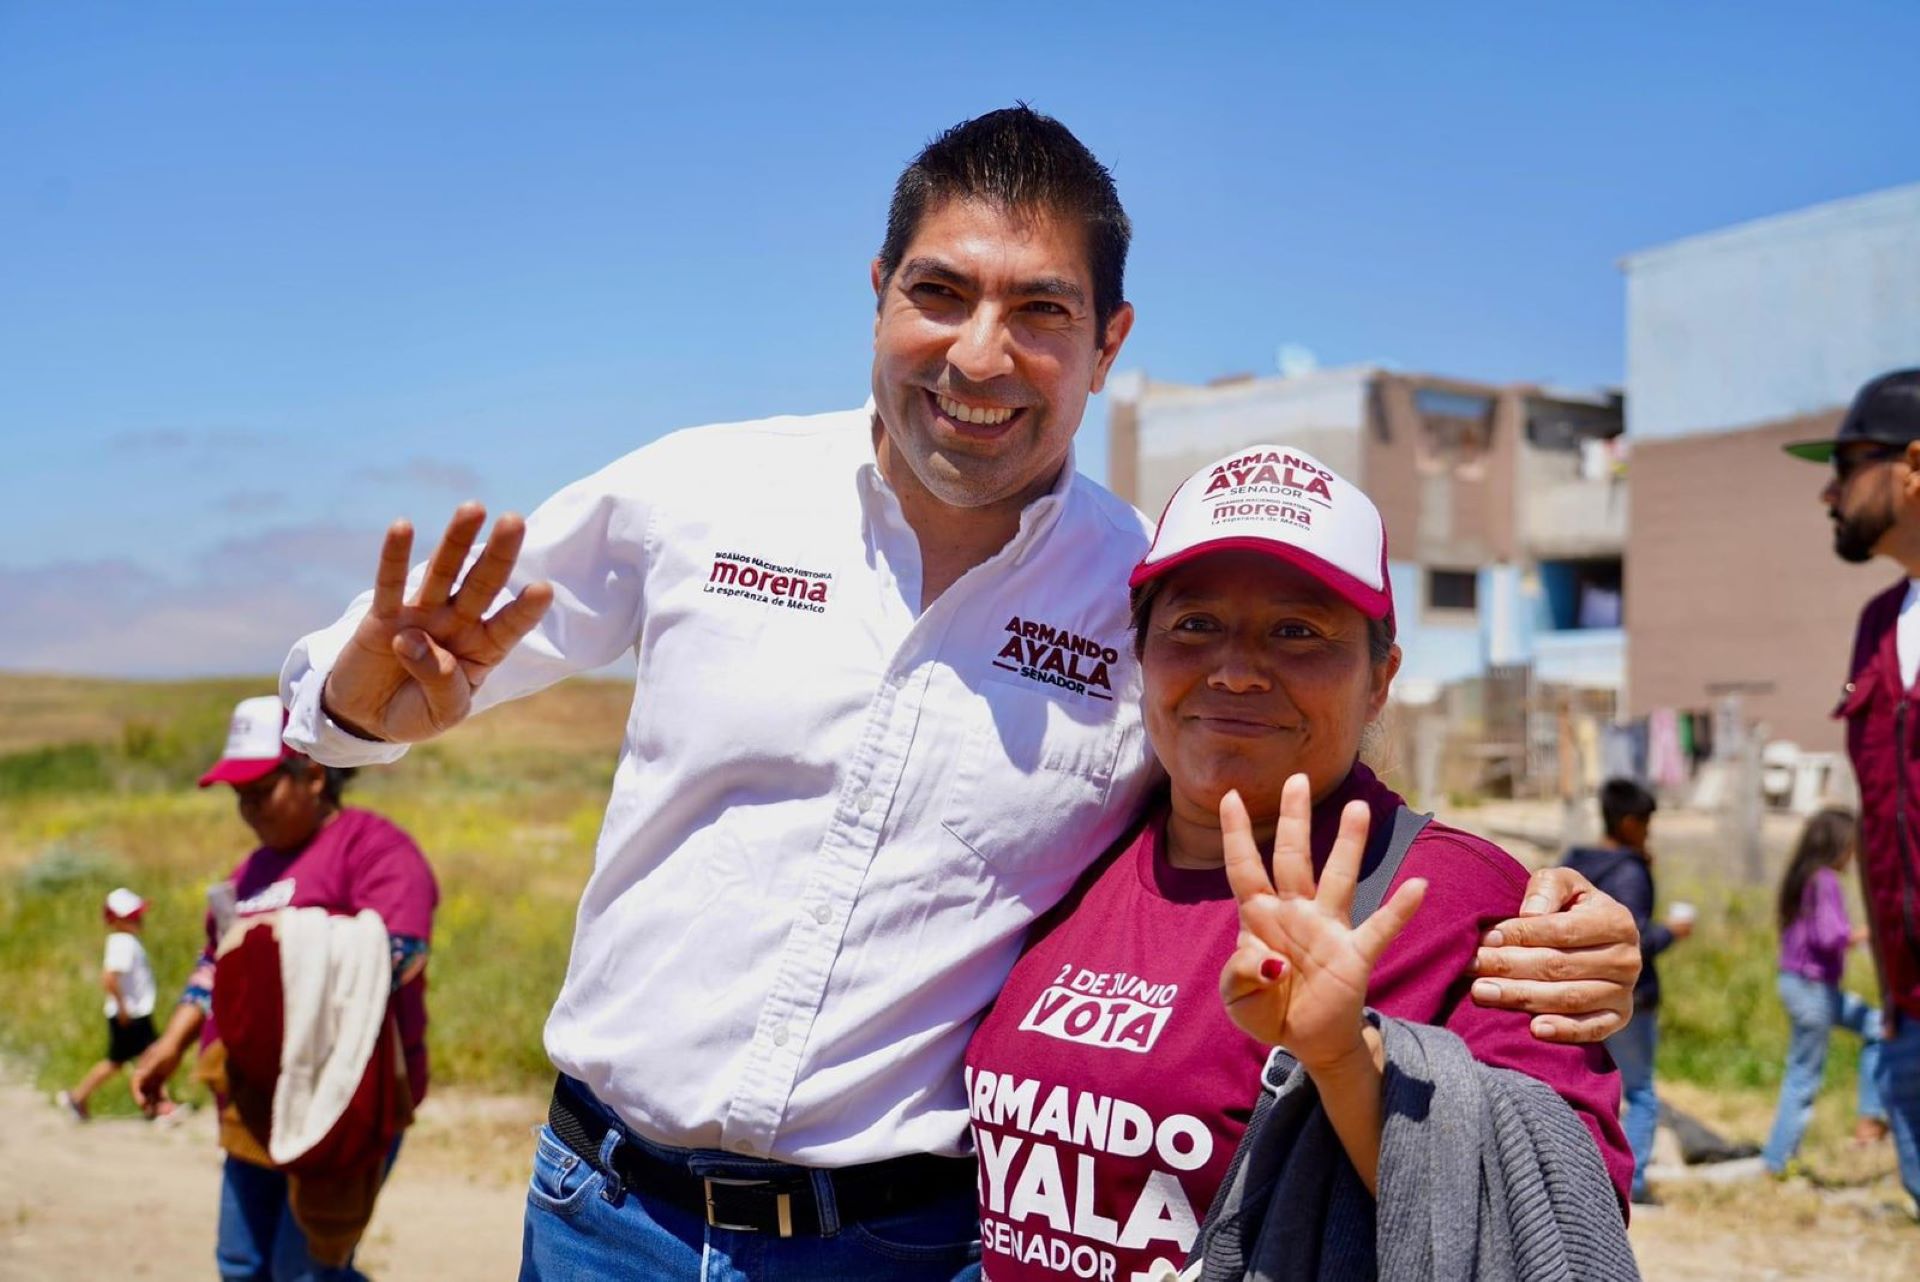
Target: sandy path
x=142 y=1199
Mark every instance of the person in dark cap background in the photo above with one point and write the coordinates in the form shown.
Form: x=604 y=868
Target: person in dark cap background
x=1873 y=498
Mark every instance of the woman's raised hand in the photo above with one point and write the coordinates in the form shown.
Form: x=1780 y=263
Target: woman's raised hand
x=1299 y=976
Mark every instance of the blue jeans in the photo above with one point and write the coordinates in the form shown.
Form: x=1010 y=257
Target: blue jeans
x=581 y=1223
x=1632 y=1049
x=1900 y=1088
x=1814 y=1010
x=259 y=1240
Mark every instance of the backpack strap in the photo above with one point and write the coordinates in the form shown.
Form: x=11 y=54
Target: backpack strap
x=1371 y=890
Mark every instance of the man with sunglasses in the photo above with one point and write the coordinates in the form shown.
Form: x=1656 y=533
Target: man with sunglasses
x=1873 y=498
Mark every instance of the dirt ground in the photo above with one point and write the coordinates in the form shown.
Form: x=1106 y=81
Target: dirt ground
x=142 y=1199
x=145 y=1198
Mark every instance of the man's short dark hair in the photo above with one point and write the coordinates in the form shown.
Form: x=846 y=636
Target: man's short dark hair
x=1021 y=161
x=1622 y=799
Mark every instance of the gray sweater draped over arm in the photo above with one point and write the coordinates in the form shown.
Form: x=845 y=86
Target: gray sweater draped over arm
x=1485 y=1173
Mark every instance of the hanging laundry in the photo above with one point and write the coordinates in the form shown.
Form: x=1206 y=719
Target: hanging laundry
x=1666 y=767
x=1618 y=756
x=1587 y=732
x=1702 y=734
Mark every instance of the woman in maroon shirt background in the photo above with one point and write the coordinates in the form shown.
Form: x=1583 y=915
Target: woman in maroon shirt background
x=1111 y=1081
x=313 y=853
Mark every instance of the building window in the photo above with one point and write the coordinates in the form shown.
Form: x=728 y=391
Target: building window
x=1455 y=592
x=1583 y=595
x=1456 y=427
x=1566 y=426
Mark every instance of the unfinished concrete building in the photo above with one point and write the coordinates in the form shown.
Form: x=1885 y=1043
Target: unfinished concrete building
x=1506 y=506
x=1506 y=514
x=1738 y=342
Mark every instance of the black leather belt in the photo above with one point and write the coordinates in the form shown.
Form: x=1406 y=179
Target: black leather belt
x=782 y=1204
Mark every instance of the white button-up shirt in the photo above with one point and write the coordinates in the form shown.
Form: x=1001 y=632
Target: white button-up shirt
x=835 y=814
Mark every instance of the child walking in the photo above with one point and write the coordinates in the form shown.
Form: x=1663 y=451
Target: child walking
x=1623 y=867
x=128 y=980
x=1815 y=934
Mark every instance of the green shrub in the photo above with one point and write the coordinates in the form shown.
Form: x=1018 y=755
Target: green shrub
x=1721 y=1022
x=66 y=768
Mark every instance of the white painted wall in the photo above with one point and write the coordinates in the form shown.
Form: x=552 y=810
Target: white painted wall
x=1183 y=428
x=1774 y=318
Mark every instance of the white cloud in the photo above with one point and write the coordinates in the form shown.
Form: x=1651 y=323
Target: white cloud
x=250 y=502
x=236 y=611
x=178 y=441
x=426 y=473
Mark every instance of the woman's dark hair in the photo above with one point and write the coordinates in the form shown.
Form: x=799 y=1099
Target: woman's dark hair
x=337 y=777
x=1380 y=632
x=1020 y=161
x=1824 y=842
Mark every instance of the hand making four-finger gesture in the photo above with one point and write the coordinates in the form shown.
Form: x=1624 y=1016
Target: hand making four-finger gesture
x=412 y=666
x=1299 y=976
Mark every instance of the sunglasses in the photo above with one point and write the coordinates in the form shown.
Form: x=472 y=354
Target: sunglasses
x=1845 y=464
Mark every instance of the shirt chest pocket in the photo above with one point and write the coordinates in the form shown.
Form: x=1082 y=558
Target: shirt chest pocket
x=1856 y=695
x=1031 y=777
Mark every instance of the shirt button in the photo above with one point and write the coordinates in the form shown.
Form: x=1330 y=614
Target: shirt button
x=823 y=914
x=779 y=1037
x=863 y=802
x=743 y=1146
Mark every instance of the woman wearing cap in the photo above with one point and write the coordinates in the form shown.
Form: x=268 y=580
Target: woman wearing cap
x=313 y=852
x=1111 y=1082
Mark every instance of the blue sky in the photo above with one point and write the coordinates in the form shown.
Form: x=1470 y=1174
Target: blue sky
x=271 y=275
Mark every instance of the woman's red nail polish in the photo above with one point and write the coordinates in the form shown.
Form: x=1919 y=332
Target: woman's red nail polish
x=1272 y=968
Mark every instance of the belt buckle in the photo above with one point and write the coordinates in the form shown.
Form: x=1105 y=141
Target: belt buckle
x=783 y=1206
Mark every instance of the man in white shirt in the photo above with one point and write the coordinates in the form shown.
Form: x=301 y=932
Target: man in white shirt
x=885 y=711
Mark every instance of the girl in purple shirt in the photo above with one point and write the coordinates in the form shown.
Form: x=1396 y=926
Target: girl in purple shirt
x=1815 y=934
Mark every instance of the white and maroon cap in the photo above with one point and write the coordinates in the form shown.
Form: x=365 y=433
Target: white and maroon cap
x=253 y=743
x=123 y=904
x=1285 y=503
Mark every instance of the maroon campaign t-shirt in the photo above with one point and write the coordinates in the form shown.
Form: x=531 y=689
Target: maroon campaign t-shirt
x=1108 y=1088
x=358 y=860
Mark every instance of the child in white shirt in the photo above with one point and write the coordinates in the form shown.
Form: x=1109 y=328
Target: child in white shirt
x=128 y=981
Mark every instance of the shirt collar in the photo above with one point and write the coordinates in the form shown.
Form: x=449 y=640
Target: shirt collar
x=1036 y=519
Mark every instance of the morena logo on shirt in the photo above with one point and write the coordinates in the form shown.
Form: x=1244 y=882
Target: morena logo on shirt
x=1270 y=473
x=1111 y=1009
x=738 y=575
x=1057 y=657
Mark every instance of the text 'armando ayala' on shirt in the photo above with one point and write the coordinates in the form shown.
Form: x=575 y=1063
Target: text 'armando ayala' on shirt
x=1040 y=1150
x=735 y=574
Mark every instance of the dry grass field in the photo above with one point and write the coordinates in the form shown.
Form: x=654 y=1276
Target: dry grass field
x=96 y=789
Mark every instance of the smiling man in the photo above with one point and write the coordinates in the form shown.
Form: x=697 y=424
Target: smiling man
x=885 y=708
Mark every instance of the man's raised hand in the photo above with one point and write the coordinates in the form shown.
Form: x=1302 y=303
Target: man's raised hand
x=1299 y=975
x=411 y=667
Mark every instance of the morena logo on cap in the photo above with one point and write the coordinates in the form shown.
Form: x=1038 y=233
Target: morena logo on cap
x=1284 y=503
x=253 y=746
